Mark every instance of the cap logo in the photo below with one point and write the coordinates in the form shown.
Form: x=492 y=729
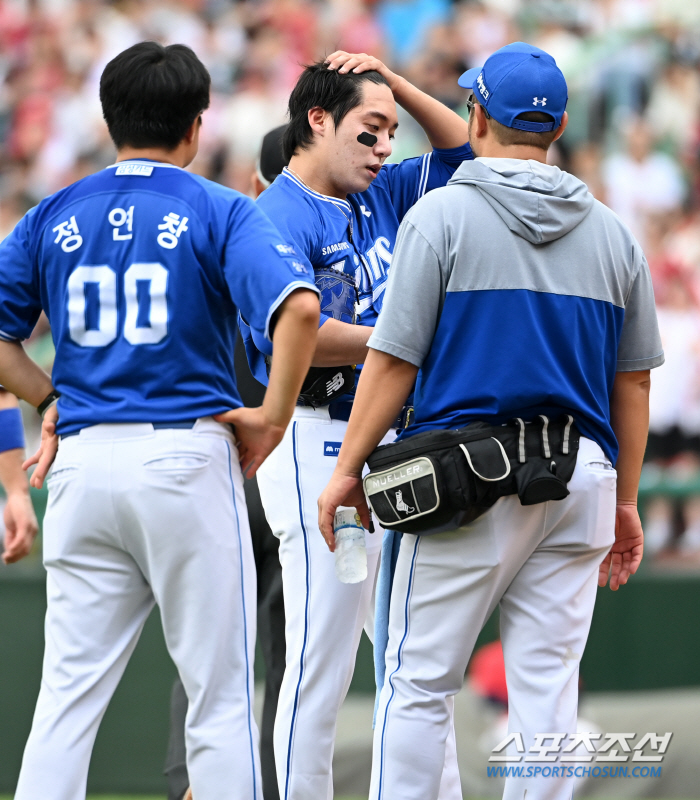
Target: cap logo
x=537 y=102
x=483 y=91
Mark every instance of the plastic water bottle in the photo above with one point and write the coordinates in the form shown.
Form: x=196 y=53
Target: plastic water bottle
x=350 y=549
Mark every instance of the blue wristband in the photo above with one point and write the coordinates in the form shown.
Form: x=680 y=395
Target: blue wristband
x=11 y=429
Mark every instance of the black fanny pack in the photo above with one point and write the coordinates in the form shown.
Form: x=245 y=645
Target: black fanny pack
x=439 y=480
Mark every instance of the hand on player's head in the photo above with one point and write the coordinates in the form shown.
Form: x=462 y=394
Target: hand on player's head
x=359 y=63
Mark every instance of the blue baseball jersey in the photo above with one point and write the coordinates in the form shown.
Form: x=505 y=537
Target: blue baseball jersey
x=142 y=269
x=355 y=237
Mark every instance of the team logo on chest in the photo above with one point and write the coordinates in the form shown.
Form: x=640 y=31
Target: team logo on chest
x=338 y=294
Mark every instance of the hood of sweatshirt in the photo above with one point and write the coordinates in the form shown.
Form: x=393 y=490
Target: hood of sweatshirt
x=536 y=201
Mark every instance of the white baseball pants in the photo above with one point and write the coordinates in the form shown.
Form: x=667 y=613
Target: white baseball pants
x=540 y=563
x=324 y=617
x=138 y=516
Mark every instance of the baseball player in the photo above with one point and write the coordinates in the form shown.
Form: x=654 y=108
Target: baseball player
x=340 y=206
x=270 y=604
x=515 y=295
x=141 y=269
x=20 y=521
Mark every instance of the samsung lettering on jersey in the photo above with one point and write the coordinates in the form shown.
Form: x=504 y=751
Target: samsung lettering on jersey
x=333 y=248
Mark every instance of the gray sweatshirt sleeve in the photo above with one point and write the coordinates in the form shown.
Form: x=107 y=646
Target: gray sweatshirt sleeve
x=414 y=297
x=640 y=344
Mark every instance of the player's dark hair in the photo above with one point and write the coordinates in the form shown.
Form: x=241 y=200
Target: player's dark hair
x=151 y=94
x=320 y=87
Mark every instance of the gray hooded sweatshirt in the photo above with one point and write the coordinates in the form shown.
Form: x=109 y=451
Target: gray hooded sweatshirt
x=517 y=294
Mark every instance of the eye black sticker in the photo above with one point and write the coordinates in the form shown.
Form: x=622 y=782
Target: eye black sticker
x=367 y=139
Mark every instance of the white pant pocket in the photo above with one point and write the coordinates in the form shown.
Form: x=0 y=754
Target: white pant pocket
x=177 y=463
x=61 y=474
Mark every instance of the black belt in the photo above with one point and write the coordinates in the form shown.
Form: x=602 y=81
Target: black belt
x=342 y=411
x=187 y=424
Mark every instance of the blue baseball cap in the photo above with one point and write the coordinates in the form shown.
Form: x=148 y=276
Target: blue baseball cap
x=519 y=78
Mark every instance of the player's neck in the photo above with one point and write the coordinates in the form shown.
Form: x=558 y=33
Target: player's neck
x=492 y=149
x=179 y=157
x=314 y=174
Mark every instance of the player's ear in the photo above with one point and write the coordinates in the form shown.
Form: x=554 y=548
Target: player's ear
x=562 y=126
x=193 y=130
x=480 y=122
x=318 y=119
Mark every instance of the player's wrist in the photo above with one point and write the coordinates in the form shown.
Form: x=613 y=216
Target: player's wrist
x=19 y=493
x=349 y=467
x=16 y=484
x=276 y=419
x=397 y=83
x=48 y=402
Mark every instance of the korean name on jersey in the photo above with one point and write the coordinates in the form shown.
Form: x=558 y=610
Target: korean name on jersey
x=141 y=269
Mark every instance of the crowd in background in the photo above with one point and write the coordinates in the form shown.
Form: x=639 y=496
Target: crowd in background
x=633 y=69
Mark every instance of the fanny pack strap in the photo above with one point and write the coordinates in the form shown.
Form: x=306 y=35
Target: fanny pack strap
x=566 y=443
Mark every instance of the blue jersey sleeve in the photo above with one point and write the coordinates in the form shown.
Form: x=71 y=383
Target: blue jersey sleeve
x=261 y=268
x=408 y=181
x=255 y=351
x=292 y=222
x=20 y=302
